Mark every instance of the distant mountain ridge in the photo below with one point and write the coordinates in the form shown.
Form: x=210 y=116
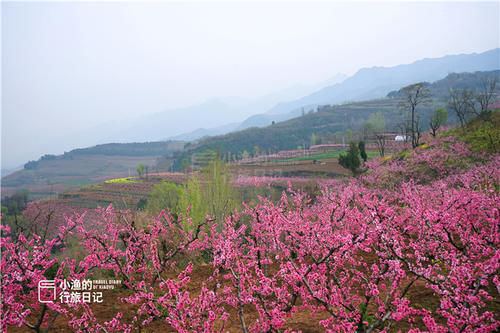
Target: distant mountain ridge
x=224 y=115
x=377 y=82
x=212 y=117
x=203 y=132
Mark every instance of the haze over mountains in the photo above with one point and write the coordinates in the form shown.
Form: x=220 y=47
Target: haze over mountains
x=223 y=115
x=226 y=114
x=367 y=83
x=77 y=74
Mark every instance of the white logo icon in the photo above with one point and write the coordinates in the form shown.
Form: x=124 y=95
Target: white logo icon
x=47 y=285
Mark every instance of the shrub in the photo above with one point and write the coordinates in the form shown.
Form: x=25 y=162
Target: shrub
x=350 y=160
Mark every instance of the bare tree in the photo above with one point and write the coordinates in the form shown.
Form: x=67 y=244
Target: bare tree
x=440 y=118
x=376 y=126
x=413 y=96
x=405 y=128
x=380 y=140
x=434 y=125
x=417 y=131
x=485 y=95
x=461 y=101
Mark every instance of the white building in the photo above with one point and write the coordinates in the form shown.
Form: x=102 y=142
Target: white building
x=400 y=138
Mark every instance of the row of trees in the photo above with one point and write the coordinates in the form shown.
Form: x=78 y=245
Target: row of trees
x=465 y=103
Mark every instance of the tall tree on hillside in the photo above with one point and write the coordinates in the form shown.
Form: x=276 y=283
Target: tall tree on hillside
x=196 y=200
x=380 y=141
x=218 y=193
x=315 y=139
x=185 y=164
x=414 y=96
x=348 y=134
x=256 y=151
x=367 y=130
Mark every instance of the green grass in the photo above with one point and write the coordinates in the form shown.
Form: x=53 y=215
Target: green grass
x=482 y=133
x=323 y=156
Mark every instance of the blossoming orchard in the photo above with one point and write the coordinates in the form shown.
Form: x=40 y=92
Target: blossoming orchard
x=410 y=245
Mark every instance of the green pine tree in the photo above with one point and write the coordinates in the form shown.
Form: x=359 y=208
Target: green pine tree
x=350 y=159
x=362 y=151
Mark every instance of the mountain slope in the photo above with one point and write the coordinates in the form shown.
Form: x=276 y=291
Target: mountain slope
x=86 y=165
x=82 y=165
x=376 y=82
x=209 y=118
x=330 y=119
x=253 y=109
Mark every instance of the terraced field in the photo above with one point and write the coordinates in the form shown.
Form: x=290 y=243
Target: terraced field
x=123 y=195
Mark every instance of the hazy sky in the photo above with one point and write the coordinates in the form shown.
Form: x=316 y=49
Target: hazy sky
x=69 y=66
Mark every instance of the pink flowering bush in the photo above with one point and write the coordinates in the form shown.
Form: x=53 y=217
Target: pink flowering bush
x=438 y=159
x=142 y=259
x=351 y=251
x=27 y=260
x=139 y=256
